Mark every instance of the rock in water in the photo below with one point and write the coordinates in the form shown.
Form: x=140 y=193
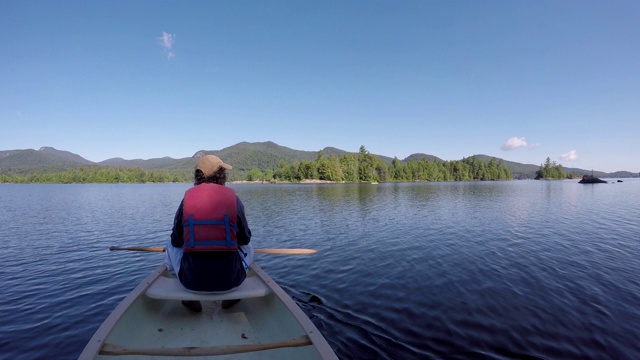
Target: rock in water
x=590 y=179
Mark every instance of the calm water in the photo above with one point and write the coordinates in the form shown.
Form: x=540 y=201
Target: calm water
x=493 y=270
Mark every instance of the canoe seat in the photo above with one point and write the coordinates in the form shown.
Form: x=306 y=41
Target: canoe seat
x=169 y=288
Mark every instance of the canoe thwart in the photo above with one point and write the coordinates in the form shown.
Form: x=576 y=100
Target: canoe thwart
x=169 y=288
x=112 y=349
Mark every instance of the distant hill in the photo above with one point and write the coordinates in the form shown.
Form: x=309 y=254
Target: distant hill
x=243 y=156
x=416 y=157
x=64 y=155
x=46 y=159
x=146 y=164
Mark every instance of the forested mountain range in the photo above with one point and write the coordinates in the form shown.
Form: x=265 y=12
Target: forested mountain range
x=243 y=156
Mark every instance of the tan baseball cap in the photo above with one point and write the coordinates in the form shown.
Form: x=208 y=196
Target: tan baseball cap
x=209 y=164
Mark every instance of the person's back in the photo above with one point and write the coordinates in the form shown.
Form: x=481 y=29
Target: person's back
x=210 y=249
x=211 y=261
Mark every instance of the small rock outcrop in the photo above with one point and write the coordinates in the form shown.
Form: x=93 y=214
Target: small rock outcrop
x=590 y=179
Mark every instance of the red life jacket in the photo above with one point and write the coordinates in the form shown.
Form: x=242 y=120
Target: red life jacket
x=209 y=216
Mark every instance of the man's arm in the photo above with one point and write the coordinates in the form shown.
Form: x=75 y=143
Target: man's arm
x=176 y=233
x=244 y=233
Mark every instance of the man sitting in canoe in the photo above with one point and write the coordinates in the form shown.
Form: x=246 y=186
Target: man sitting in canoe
x=210 y=248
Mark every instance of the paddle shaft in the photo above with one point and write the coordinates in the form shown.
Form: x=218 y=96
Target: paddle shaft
x=112 y=349
x=258 y=251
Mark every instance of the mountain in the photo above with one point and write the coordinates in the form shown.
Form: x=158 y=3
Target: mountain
x=420 y=156
x=64 y=155
x=46 y=159
x=158 y=163
x=243 y=156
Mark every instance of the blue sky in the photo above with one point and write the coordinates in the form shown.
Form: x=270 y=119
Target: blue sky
x=519 y=80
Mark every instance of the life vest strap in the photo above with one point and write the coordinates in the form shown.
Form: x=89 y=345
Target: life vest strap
x=228 y=242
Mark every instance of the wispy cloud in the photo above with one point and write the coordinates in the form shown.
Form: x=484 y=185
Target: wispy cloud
x=166 y=41
x=19 y=113
x=514 y=143
x=570 y=156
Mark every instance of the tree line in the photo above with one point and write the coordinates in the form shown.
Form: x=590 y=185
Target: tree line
x=95 y=174
x=366 y=167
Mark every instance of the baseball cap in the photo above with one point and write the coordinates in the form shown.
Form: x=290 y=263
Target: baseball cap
x=209 y=164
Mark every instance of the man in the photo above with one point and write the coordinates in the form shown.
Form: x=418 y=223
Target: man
x=210 y=248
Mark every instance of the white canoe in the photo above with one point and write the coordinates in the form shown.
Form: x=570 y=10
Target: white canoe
x=151 y=323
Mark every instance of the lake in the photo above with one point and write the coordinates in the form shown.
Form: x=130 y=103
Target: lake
x=490 y=270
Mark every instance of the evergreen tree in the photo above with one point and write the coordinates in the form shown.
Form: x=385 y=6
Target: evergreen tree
x=550 y=171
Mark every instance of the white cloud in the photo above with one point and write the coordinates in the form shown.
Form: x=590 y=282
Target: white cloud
x=514 y=143
x=570 y=156
x=166 y=41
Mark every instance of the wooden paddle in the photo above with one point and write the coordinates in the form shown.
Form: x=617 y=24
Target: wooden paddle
x=258 y=251
x=112 y=349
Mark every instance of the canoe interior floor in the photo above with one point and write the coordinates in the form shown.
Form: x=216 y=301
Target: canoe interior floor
x=151 y=323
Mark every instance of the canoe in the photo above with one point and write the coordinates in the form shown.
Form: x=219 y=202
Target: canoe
x=151 y=323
